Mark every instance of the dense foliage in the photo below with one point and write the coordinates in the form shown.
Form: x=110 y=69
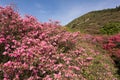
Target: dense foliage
x=111 y=28
x=32 y=50
x=112 y=44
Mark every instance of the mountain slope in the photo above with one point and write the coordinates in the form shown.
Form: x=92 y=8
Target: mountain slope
x=92 y=21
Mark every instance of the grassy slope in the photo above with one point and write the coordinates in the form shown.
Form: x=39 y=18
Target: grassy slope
x=102 y=66
x=92 y=21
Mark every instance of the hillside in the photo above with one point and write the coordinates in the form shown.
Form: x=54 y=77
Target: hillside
x=92 y=21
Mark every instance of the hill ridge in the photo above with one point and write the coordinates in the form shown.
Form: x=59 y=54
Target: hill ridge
x=92 y=21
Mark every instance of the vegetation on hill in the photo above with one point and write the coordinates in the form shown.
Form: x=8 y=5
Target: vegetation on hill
x=93 y=21
x=110 y=28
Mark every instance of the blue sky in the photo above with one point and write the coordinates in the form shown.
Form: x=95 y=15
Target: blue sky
x=61 y=10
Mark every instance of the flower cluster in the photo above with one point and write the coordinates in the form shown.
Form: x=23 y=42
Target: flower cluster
x=30 y=50
x=113 y=45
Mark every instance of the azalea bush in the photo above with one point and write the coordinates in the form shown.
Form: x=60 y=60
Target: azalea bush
x=112 y=44
x=30 y=50
x=109 y=43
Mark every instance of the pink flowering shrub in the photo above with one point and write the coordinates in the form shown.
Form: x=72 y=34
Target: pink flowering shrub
x=32 y=50
x=112 y=44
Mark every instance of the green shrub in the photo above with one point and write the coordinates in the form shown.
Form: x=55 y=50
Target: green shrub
x=111 y=28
